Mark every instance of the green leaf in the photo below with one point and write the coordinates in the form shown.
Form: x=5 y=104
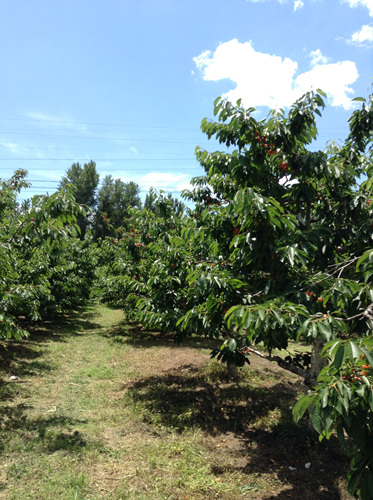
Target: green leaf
x=202 y=283
x=352 y=351
x=366 y=255
x=324 y=330
x=331 y=346
x=278 y=317
x=301 y=406
x=368 y=355
x=316 y=419
x=291 y=255
x=367 y=487
x=261 y=314
x=324 y=394
x=232 y=345
x=339 y=357
x=357 y=467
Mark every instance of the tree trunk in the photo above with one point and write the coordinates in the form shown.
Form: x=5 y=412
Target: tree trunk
x=318 y=362
x=232 y=371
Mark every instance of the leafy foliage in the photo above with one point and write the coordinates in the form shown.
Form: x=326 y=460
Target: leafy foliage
x=45 y=267
x=114 y=200
x=84 y=181
x=155 y=203
x=277 y=248
x=342 y=402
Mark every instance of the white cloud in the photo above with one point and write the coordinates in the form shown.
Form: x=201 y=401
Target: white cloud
x=63 y=120
x=268 y=80
x=165 y=181
x=361 y=3
x=25 y=149
x=334 y=79
x=317 y=58
x=363 y=36
x=11 y=146
x=298 y=4
x=261 y=79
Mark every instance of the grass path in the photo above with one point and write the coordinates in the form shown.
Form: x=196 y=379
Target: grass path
x=92 y=409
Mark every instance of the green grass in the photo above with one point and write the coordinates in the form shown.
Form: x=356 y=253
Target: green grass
x=103 y=410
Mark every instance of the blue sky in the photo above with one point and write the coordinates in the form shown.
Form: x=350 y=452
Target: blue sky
x=127 y=83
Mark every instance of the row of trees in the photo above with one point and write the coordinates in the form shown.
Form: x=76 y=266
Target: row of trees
x=45 y=268
x=277 y=248
x=108 y=203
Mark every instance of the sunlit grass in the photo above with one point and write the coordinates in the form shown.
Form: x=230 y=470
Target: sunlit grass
x=91 y=417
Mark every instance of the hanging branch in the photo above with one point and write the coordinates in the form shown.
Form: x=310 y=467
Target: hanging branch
x=305 y=374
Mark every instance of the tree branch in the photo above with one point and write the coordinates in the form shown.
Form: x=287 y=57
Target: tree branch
x=305 y=374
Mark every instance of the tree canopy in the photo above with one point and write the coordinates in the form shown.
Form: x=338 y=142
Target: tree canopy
x=277 y=249
x=85 y=180
x=114 y=200
x=155 y=202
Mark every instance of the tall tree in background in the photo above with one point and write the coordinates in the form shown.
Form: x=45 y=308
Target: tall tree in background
x=114 y=199
x=85 y=180
x=155 y=202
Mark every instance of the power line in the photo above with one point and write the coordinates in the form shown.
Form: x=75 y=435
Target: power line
x=150 y=183
x=141 y=191
x=98 y=159
x=125 y=125
x=151 y=127
x=128 y=139
x=147 y=169
x=31 y=148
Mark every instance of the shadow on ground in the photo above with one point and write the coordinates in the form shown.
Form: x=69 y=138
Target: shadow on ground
x=259 y=422
x=21 y=358
x=49 y=434
x=75 y=322
x=137 y=336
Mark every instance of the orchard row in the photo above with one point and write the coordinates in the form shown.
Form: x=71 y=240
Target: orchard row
x=278 y=247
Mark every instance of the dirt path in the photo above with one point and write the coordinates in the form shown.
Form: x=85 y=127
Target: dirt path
x=92 y=408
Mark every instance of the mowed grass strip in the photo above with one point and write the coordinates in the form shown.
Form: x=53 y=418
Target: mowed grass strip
x=92 y=408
